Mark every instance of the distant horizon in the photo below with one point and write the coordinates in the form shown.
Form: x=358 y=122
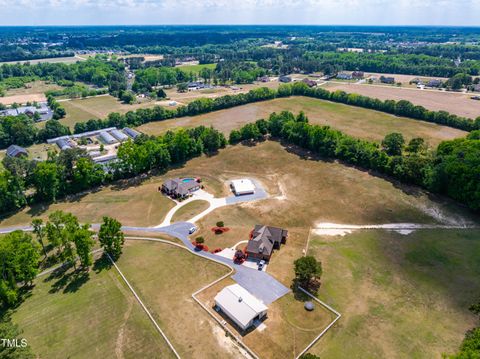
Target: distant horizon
x=439 y=13
x=265 y=25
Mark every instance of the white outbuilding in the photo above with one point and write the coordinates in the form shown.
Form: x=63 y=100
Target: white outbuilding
x=240 y=305
x=242 y=186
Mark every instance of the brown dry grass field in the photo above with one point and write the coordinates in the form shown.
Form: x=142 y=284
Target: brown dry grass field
x=139 y=204
x=401 y=296
x=87 y=315
x=165 y=277
x=186 y=97
x=66 y=60
x=81 y=110
x=404 y=79
x=33 y=91
x=355 y=121
x=305 y=191
x=190 y=210
x=453 y=102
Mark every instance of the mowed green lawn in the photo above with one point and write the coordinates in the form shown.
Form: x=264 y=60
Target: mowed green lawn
x=355 y=121
x=165 y=277
x=88 y=316
x=401 y=296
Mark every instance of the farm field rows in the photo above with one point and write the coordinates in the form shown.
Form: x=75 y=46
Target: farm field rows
x=453 y=102
x=358 y=122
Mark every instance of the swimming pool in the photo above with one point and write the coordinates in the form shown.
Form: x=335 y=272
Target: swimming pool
x=185 y=180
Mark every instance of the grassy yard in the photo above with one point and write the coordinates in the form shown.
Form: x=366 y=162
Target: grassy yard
x=190 y=210
x=35 y=87
x=355 y=121
x=400 y=296
x=165 y=278
x=139 y=204
x=88 y=316
x=196 y=68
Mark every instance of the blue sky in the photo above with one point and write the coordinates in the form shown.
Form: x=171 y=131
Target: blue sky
x=315 y=12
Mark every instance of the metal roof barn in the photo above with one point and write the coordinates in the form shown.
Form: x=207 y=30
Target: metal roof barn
x=243 y=186
x=240 y=306
x=107 y=138
x=131 y=132
x=119 y=135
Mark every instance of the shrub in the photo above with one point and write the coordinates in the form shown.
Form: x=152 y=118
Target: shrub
x=220 y=224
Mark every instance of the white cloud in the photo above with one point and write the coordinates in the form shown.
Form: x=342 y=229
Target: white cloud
x=382 y=12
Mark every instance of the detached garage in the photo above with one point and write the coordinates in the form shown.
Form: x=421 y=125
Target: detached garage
x=240 y=306
x=242 y=186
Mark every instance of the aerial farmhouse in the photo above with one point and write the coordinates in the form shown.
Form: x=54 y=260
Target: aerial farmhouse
x=180 y=187
x=264 y=239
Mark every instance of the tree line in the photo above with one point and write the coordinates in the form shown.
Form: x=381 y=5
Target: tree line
x=452 y=170
x=60 y=239
x=205 y=105
x=96 y=71
x=72 y=171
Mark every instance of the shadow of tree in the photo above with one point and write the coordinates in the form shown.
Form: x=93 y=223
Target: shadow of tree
x=102 y=263
x=67 y=280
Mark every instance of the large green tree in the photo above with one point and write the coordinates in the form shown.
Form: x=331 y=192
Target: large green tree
x=307 y=269
x=111 y=237
x=83 y=244
x=393 y=143
x=19 y=258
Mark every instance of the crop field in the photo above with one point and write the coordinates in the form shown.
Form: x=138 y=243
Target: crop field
x=358 y=122
x=453 y=102
x=88 y=315
x=165 y=278
x=401 y=296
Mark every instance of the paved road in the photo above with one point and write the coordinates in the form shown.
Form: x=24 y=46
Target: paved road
x=261 y=284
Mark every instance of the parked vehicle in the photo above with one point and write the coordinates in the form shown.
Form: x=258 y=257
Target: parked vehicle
x=261 y=264
x=192 y=230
